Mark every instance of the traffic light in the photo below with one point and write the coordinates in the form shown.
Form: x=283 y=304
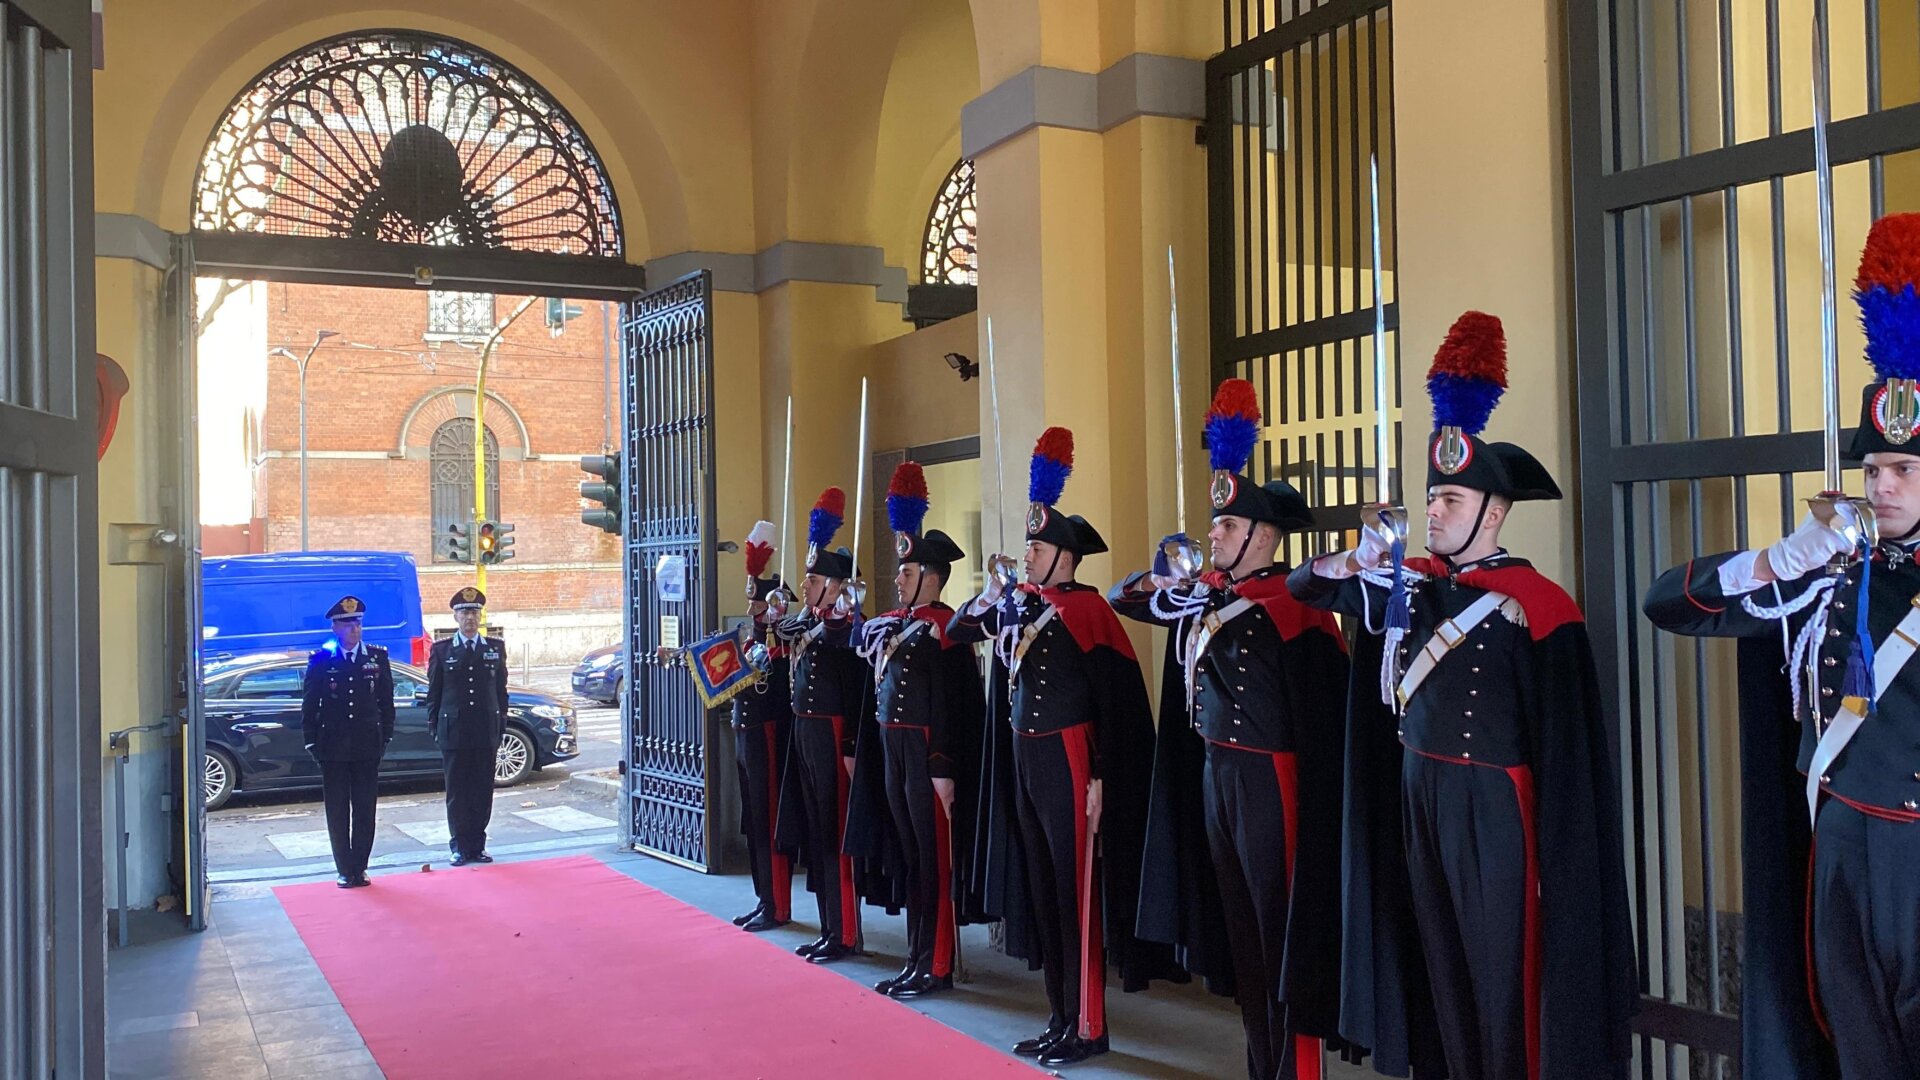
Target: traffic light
x=559 y=313
x=606 y=517
x=460 y=542
x=496 y=542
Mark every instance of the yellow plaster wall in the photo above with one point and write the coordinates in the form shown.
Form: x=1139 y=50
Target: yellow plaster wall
x=1484 y=226
x=134 y=598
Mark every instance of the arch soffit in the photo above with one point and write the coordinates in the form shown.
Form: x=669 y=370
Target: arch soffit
x=636 y=157
x=436 y=407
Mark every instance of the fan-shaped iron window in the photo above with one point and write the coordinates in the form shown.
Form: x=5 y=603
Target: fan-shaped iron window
x=410 y=138
x=948 y=256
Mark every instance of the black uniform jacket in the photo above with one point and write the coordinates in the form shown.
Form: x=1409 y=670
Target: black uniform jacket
x=770 y=703
x=347 y=712
x=928 y=681
x=828 y=678
x=1274 y=679
x=467 y=694
x=1780 y=1033
x=1092 y=677
x=1539 y=707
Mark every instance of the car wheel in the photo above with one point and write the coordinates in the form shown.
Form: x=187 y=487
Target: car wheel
x=513 y=762
x=219 y=776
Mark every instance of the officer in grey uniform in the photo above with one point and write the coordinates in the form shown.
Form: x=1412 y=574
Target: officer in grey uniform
x=346 y=722
x=467 y=713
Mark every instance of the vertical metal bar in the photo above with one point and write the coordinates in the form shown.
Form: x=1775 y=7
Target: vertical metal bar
x=30 y=65
x=13 y=721
x=1876 y=165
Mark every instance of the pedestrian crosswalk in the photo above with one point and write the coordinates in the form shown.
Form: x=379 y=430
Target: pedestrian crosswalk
x=432 y=832
x=599 y=725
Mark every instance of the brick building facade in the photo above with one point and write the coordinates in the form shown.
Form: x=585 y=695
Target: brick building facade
x=389 y=415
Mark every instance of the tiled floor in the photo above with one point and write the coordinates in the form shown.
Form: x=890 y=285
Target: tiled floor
x=245 y=999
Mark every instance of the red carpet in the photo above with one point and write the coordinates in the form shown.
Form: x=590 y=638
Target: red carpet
x=567 y=968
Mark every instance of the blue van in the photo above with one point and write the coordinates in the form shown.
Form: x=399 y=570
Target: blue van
x=278 y=602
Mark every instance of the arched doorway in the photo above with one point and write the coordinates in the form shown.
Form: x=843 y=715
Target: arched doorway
x=403 y=159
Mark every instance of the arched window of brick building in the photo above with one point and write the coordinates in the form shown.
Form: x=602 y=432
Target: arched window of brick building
x=948 y=257
x=452 y=455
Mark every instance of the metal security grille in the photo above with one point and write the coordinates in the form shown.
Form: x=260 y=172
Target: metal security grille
x=52 y=930
x=1297 y=104
x=452 y=459
x=1698 y=316
x=669 y=505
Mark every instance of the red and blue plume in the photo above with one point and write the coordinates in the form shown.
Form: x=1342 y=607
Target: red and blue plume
x=1885 y=290
x=907 y=498
x=1233 y=425
x=1469 y=373
x=827 y=515
x=1052 y=464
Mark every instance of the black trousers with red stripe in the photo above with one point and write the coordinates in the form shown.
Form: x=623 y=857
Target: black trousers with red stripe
x=1251 y=813
x=1469 y=837
x=1866 y=939
x=1051 y=773
x=823 y=780
x=925 y=841
x=757 y=756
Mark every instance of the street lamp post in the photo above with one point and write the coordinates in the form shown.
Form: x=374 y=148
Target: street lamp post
x=302 y=361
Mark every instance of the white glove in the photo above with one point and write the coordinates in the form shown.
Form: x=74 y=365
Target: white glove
x=1806 y=549
x=1373 y=549
x=995 y=589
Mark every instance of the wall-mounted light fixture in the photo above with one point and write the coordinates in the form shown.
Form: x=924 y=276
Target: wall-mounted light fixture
x=967 y=368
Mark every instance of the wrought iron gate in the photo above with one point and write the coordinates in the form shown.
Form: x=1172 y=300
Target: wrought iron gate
x=667 y=398
x=52 y=921
x=1298 y=102
x=1697 y=315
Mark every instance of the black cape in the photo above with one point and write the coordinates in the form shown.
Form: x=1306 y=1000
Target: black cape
x=871 y=832
x=1124 y=731
x=1589 y=982
x=1179 y=890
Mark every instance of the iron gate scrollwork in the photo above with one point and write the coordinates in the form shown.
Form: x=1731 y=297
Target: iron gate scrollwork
x=668 y=502
x=1297 y=104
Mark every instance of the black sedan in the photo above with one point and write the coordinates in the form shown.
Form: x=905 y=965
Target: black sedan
x=253 y=729
x=599 y=674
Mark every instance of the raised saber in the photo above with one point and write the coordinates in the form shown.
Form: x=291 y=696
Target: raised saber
x=1180 y=551
x=1852 y=517
x=1000 y=562
x=857 y=588
x=777 y=598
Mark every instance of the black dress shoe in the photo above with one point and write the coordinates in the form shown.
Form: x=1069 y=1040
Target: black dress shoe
x=344 y=881
x=810 y=947
x=886 y=985
x=831 y=952
x=483 y=857
x=1073 y=1049
x=763 y=920
x=921 y=985
x=460 y=858
x=1040 y=1043
x=742 y=920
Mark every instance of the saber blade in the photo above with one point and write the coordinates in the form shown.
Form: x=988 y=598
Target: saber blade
x=999 y=453
x=1382 y=420
x=786 y=502
x=1179 y=437
x=1829 y=299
